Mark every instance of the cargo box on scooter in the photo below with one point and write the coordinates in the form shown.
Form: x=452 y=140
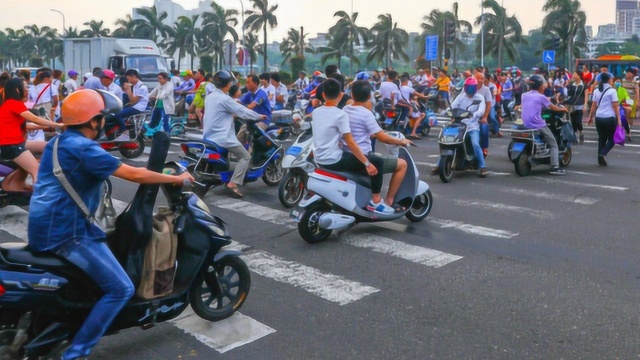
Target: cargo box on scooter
x=282 y=117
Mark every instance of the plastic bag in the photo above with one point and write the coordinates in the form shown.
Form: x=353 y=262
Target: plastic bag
x=619 y=135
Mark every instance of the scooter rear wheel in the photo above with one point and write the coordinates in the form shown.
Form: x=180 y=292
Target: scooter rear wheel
x=522 y=165
x=421 y=207
x=565 y=160
x=274 y=172
x=220 y=290
x=134 y=153
x=309 y=225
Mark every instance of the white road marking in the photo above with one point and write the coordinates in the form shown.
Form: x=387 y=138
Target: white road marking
x=573 y=183
x=421 y=255
x=625 y=145
x=582 y=200
x=14 y=221
x=582 y=172
x=224 y=335
x=327 y=286
x=542 y=214
x=422 y=163
x=416 y=254
x=472 y=229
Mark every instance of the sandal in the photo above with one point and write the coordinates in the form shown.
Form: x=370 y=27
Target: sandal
x=233 y=192
x=414 y=137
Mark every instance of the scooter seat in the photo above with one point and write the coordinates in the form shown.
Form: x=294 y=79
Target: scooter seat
x=360 y=179
x=8 y=163
x=21 y=253
x=210 y=144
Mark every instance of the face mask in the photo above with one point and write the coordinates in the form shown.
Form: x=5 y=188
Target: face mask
x=617 y=84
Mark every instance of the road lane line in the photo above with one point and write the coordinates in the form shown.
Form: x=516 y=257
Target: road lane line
x=472 y=229
x=225 y=335
x=573 y=183
x=14 y=221
x=582 y=200
x=625 y=145
x=542 y=214
x=416 y=254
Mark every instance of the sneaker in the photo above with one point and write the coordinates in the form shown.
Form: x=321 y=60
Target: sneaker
x=557 y=171
x=581 y=138
x=380 y=208
x=482 y=173
x=602 y=161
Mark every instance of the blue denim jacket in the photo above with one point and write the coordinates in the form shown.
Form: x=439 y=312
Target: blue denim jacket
x=54 y=218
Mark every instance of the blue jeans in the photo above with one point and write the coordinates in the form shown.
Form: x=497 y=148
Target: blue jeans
x=493 y=121
x=124 y=114
x=94 y=258
x=484 y=136
x=474 y=135
x=158 y=113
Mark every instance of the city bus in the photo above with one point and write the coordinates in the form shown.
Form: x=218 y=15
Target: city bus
x=617 y=64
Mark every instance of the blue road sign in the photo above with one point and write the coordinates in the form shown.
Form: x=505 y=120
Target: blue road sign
x=431 y=48
x=548 y=56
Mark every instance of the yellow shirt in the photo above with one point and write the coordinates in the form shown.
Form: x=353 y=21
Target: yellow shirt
x=443 y=83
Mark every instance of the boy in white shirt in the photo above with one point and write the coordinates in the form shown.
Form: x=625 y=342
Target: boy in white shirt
x=265 y=84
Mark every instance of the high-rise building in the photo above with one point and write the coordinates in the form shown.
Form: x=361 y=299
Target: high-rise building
x=626 y=10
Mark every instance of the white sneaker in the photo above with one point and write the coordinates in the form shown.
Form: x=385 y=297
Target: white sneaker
x=380 y=208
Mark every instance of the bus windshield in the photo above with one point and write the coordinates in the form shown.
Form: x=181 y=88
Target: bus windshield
x=147 y=64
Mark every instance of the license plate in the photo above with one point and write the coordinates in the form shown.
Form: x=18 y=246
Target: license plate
x=453 y=131
x=518 y=147
x=388 y=121
x=294 y=151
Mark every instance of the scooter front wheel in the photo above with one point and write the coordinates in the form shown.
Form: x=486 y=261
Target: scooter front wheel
x=291 y=189
x=309 y=225
x=445 y=169
x=522 y=165
x=274 y=172
x=565 y=159
x=421 y=207
x=220 y=290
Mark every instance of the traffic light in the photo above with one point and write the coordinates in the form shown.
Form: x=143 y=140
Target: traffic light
x=449 y=31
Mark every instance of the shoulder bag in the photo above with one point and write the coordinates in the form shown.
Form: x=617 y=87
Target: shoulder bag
x=105 y=217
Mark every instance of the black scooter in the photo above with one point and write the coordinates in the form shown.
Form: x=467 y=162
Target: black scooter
x=44 y=299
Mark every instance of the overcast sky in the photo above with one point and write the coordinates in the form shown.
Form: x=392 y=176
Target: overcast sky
x=315 y=15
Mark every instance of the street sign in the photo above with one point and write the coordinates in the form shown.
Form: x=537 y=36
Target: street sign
x=431 y=48
x=548 y=56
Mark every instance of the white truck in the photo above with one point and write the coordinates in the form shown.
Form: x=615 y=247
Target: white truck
x=119 y=55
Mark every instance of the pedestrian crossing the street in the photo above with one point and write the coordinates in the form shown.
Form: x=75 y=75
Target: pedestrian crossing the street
x=389 y=240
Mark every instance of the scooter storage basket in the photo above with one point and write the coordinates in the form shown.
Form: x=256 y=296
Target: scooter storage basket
x=158 y=271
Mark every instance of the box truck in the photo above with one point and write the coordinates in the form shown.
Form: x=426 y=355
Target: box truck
x=119 y=55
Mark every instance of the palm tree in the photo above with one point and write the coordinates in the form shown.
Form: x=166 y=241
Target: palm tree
x=188 y=36
x=253 y=47
x=16 y=40
x=348 y=31
x=216 y=25
x=502 y=32
x=334 y=50
x=389 y=41
x=433 y=25
x=95 y=29
x=126 y=28
x=294 y=45
x=566 y=21
x=458 y=44
x=71 y=32
x=261 y=17
x=152 y=24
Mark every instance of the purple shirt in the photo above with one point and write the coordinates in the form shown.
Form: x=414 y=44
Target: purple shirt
x=532 y=105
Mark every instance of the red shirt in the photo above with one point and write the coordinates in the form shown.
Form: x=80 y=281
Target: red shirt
x=198 y=83
x=587 y=77
x=13 y=127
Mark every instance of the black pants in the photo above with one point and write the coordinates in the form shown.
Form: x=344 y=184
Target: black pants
x=576 y=120
x=605 y=127
x=505 y=108
x=350 y=163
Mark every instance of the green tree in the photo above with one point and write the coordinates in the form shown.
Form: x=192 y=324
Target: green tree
x=262 y=16
x=95 y=29
x=460 y=25
x=501 y=32
x=346 y=30
x=294 y=45
x=254 y=48
x=182 y=38
x=608 y=48
x=566 y=20
x=433 y=25
x=126 y=28
x=217 y=25
x=151 y=25
x=334 y=50
x=389 y=41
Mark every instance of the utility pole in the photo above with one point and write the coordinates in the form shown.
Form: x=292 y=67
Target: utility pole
x=481 y=35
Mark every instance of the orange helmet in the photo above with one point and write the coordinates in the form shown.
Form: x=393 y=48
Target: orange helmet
x=83 y=105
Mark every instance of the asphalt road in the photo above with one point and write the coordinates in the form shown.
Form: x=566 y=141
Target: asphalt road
x=503 y=268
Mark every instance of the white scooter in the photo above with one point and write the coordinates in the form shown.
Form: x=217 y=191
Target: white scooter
x=338 y=200
x=298 y=162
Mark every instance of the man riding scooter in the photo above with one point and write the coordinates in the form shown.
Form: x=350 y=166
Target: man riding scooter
x=464 y=101
x=364 y=127
x=533 y=102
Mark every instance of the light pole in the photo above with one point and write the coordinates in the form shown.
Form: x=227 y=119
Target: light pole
x=482 y=35
x=64 y=25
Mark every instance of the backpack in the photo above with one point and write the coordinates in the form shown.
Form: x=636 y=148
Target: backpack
x=159 y=266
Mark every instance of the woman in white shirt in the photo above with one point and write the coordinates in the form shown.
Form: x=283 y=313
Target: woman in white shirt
x=165 y=103
x=607 y=113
